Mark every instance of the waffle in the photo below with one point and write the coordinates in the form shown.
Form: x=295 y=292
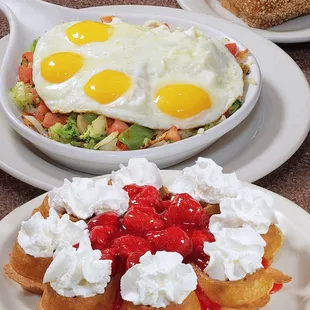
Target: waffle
x=50 y=300
x=26 y=270
x=44 y=210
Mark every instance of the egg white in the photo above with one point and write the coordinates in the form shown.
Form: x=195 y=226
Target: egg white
x=153 y=58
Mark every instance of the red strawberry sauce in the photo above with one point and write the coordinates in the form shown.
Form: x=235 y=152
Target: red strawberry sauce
x=176 y=224
x=205 y=302
x=276 y=288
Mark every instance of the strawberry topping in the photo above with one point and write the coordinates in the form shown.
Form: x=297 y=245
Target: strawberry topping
x=133 y=259
x=110 y=254
x=109 y=218
x=141 y=219
x=133 y=190
x=128 y=244
x=177 y=224
x=185 y=211
x=172 y=239
x=199 y=237
x=99 y=237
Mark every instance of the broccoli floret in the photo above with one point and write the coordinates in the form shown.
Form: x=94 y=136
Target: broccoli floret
x=90 y=144
x=34 y=44
x=206 y=127
x=22 y=95
x=67 y=132
x=53 y=134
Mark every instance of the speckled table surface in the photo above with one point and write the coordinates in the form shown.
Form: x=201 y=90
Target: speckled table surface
x=291 y=180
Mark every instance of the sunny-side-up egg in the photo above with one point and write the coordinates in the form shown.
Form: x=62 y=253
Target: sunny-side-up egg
x=154 y=77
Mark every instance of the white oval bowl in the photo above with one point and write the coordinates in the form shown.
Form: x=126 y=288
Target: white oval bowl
x=23 y=31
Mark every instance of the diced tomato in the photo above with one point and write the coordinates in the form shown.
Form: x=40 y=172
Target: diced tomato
x=167 y=25
x=117 y=125
x=121 y=146
x=232 y=48
x=110 y=121
x=106 y=19
x=51 y=119
x=40 y=112
x=242 y=54
x=31 y=78
x=173 y=135
x=35 y=97
x=25 y=74
x=28 y=56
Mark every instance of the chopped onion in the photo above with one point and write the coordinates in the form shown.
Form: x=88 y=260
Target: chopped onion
x=111 y=146
x=250 y=81
x=186 y=133
x=106 y=140
x=36 y=125
x=200 y=131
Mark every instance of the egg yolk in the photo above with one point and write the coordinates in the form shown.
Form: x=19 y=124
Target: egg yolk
x=87 y=32
x=182 y=100
x=106 y=86
x=60 y=67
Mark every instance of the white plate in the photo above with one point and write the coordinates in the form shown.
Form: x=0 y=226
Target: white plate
x=292 y=31
x=91 y=161
x=253 y=149
x=293 y=258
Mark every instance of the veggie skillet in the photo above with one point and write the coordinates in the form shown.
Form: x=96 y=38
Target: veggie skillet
x=97 y=131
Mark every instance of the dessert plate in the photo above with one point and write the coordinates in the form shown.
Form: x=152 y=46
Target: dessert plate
x=293 y=31
x=253 y=149
x=293 y=258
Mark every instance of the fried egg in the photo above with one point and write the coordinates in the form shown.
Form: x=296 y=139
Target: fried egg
x=155 y=77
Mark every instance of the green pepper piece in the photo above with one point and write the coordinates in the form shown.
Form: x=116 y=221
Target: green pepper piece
x=34 y=44
x=235 y=106
x=77 y=143
x=89 y=117
x=134 y=136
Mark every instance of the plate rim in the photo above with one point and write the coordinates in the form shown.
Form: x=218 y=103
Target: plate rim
x=296 y=36
x=291 y=211
x=36 y=182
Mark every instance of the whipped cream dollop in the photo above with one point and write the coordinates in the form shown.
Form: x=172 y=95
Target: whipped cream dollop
x=235 y=253
x=158 y=280
x=84 y=197
x=39 y=237
x=206 y=182
x=139 y=171
x=251 y=207
x=78 y=272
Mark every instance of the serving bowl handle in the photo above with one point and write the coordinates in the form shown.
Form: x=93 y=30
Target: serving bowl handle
x=22 y=9
x=31 y=13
